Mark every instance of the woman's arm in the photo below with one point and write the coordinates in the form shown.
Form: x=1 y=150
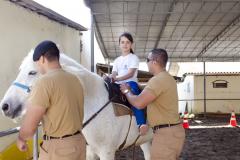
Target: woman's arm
x=130 y=74
x=114 y=74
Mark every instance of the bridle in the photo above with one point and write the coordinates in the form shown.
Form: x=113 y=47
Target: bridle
x=22 y=86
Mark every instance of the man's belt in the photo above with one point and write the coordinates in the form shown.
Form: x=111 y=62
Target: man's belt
x=45 y=137
x=163 y=126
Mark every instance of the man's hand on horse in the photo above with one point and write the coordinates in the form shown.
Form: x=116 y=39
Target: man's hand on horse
x=110 y=77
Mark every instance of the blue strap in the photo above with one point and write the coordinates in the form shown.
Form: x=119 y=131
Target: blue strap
x=25 y=87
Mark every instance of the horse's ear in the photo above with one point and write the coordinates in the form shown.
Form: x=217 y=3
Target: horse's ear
x=30 y=53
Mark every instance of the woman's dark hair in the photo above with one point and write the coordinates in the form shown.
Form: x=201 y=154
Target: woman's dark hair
x=129 y=37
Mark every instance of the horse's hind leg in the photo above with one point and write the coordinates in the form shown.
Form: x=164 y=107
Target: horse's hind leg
x=146 y=150
x=90 y=154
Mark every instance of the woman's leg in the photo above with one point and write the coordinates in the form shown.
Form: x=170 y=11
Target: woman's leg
x=139 y=113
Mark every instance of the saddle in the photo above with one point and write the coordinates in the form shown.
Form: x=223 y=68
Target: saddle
x=121 y=105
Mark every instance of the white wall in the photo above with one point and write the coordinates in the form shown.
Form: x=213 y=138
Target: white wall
x=79 y=13
x=217 y=106
x=86 y=55
x=186 y=91
x=20 y=31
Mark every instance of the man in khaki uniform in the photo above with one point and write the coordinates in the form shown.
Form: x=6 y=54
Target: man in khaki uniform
x=57 y=101
x=160 y=97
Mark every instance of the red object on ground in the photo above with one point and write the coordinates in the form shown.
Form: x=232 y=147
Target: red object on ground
x=233 y=121
x=185 y=121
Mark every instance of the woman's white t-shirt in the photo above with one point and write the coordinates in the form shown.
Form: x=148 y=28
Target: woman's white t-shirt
x=123 y=63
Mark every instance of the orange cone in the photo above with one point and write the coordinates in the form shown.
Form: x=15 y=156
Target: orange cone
x=233 y=121
x=185 y=121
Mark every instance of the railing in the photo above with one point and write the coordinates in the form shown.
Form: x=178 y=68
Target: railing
x=189 y=102
x=35 y=139
x=211 y=99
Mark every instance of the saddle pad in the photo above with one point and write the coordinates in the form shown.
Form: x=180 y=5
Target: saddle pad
x=121 y=110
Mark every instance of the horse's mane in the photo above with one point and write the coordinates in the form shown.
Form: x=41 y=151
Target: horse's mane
x=27 y=61
x=64 y=60
x=67 y=61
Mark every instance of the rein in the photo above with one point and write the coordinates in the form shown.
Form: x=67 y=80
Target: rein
x=125 y=140
x=95 y=114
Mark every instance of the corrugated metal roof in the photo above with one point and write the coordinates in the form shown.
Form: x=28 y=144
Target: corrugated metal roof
x=190 y=30
x=39 y=9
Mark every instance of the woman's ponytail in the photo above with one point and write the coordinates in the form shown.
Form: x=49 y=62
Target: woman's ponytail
x=131 y=51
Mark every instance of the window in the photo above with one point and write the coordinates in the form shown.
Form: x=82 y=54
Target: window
x=220 y=84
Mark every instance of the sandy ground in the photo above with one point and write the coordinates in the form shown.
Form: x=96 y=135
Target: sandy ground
x=207 y=139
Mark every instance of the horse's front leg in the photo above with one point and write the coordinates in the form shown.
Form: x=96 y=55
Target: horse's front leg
x=107 y=155
x=90 y=154
x=146 y=150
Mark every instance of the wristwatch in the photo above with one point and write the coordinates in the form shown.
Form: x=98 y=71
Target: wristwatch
x=125 y=91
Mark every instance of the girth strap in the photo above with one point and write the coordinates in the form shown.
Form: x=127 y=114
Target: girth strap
x=125 y=140
x=134 y=147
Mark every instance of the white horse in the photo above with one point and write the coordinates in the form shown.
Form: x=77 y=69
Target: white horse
x=105 y=133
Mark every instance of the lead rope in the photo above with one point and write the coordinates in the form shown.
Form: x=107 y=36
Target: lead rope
x=95 y=114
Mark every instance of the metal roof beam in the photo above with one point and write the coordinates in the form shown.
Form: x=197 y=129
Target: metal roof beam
x=99 y=39
x=219 y=36
x=165 y=23
x=44 y=11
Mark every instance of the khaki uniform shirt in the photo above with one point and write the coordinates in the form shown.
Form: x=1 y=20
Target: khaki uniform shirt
x=164 y=109
x=61 y=93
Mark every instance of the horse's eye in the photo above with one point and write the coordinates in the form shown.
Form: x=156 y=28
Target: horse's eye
x=32 y=73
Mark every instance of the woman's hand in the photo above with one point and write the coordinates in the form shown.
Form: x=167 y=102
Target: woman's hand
x=113 y=77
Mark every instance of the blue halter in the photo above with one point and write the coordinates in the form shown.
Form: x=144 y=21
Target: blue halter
x=22 y=86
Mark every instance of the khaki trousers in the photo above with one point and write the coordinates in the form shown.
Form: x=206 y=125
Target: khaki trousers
x=69 y=148
x=167 y=143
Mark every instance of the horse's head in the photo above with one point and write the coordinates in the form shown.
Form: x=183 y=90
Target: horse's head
x=13 y=102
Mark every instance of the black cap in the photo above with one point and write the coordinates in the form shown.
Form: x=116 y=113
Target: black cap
x=42 y=48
